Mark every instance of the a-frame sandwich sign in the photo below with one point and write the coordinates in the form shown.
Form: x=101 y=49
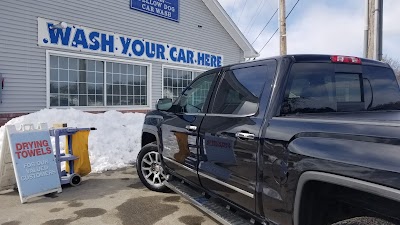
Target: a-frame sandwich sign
x=27 y=159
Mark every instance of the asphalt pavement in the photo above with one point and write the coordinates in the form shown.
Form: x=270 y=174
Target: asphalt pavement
x=112 y=197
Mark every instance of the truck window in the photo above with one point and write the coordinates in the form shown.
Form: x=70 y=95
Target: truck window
x=239 y=91
x=315 y=87
x=193 y=98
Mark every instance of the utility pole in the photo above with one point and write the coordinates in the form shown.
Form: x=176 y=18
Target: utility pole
x=373 y=29
x=378 y=17
x=366 y=29
x=282 y=27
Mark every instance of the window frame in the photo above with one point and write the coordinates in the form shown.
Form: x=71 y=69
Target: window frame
x=218 y=85
x=190 y=69
x=105 y=60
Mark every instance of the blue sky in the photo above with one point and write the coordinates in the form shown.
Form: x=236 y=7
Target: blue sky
x=315 y=26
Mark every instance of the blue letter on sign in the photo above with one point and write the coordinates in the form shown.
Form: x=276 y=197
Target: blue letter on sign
x=125 y=44
x=105 y=43
x=94 y=38
x=160 y=51
x=181 y=56
x=56 y=34
x=219 y=61
x=138 y=52
x=190 y=56
x=80 y=39
x=172 y=55
x=150 y=50
x=200 y=59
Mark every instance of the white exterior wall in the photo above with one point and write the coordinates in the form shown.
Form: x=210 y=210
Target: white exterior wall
x=23 y=62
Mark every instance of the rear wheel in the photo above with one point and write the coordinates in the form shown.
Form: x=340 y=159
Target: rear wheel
x=149 y=169
x=364 y=221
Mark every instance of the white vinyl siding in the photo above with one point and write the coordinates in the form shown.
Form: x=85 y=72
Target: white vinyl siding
x=23 y=62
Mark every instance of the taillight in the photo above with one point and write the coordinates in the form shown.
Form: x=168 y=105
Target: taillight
x=345 y=59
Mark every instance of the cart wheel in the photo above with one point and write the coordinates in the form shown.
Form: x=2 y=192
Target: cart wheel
x=75 y=180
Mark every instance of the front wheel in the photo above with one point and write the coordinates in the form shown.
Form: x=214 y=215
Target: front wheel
x=149 y=169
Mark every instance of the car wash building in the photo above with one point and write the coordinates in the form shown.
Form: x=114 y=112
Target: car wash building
x=101 y=55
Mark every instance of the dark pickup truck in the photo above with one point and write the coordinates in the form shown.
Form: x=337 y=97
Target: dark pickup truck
x=298 y=139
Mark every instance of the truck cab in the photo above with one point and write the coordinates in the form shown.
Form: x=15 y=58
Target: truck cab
x=284 y=140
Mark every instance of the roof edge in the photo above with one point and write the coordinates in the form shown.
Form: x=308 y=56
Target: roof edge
x=219 y=12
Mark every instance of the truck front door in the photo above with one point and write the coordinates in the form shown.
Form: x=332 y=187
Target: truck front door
x=181 y=126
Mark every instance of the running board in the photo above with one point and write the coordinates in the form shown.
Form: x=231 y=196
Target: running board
x=218 y=212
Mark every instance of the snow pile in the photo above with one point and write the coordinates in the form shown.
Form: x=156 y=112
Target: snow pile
x=114 y=144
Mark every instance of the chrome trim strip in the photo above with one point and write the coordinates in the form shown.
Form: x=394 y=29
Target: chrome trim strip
x=334 y=121
x=154 y=116
x=360 y=185
x=230 y=115
x=248 y=194
x=180 y=165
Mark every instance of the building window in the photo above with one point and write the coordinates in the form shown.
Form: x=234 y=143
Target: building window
x=126 y=84
x=176 y=80
x=81 y=82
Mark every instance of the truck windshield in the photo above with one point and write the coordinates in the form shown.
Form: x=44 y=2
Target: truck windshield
x=316 y=87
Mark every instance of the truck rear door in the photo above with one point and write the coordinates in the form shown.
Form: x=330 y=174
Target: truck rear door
x=229 y=134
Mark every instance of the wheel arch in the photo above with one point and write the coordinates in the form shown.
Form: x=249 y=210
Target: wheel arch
x=149 y=135
x=359 y=185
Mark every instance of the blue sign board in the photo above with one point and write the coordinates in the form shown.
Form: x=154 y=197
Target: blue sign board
x=84 y=39
x=168 y=9
x=34 y=162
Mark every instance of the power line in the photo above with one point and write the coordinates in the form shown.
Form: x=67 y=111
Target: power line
x=252 y=21
x=294 y=6
x=242 y=12
x=269 y=39
x=269 y=21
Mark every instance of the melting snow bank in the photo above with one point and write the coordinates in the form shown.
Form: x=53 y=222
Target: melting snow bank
x=114 y=144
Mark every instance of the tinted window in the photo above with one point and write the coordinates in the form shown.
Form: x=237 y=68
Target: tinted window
x=315 y=87
x=193 y=98
x=348 y=87
x=239 y=91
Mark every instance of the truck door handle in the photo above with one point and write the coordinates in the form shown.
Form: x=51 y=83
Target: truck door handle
x=191 y=128
x=245 y=135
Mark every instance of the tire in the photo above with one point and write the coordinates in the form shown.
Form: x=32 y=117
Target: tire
x=75 y=180
x=364 y=221
x=149 y=169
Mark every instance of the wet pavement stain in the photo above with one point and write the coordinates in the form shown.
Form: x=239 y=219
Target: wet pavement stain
x=90 y=212
x=191 y=220
x=75 y=204
x=137 y=184
x=108 y=173
x=51 y=195
x=144 y=210
x=58 y=222
x=172 y=199
x=14 y=222
x=55 y=210
x=95 y=174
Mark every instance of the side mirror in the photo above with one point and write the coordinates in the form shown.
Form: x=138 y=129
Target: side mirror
x=164 y=104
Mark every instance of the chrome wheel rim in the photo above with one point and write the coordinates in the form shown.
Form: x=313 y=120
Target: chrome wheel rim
x=152 y=170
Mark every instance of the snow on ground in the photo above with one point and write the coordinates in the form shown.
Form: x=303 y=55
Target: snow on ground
x=114 y=144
